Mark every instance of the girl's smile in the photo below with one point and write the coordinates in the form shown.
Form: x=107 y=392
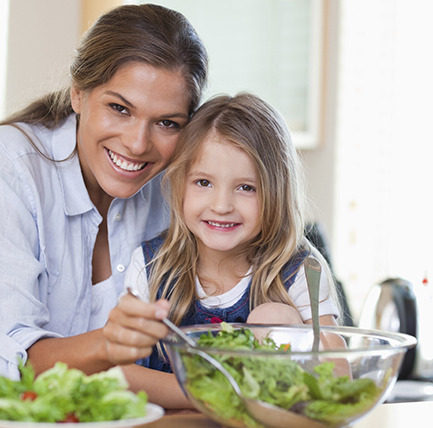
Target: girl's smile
x=128 y=128
x=221 y=206
x=223 y=225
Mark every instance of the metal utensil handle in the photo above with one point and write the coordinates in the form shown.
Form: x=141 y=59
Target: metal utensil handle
x=312 y=272
x=167 y=322
x=179 y=332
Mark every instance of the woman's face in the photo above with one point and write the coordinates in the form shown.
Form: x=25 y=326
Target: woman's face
x=129 y=127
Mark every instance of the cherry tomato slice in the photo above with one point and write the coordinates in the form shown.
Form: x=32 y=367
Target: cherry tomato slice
x=70 y=418
x=29 y=396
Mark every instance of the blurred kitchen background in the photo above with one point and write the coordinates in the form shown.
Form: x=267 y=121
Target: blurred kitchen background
x=354 y=78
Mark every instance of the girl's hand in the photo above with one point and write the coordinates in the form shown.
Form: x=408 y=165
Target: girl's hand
x=133 y=327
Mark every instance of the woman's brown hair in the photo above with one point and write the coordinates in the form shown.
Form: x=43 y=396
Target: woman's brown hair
x=145 y=33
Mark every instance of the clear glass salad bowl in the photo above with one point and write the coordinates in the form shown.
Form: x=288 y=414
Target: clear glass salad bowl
x=353 y=372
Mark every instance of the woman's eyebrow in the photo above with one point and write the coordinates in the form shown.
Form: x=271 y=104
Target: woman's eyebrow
x=124 y=100
x=130 y=105
x=182 y=115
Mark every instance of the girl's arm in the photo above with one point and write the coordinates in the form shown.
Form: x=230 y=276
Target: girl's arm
x=133 y=327
x=324 y=320
x=333 y=341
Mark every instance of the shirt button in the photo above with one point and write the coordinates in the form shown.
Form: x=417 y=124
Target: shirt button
x=118 y=217
x=120 y=268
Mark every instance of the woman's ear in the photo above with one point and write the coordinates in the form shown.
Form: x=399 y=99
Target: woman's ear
x=76 y=99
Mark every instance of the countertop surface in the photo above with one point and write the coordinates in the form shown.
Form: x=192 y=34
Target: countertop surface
x=392 y=415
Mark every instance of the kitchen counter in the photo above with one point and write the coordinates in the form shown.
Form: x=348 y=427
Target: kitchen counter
x=399 y=415
x=394 y=415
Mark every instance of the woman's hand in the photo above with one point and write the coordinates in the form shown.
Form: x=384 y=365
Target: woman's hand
x=133 y=327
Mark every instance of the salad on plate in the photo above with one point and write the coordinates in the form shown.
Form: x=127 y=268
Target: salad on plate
x=67 y=395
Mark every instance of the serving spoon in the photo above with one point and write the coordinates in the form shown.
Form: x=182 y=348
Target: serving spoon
x=265 y=413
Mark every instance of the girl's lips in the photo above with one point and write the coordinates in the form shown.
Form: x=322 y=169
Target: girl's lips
x=224 y=225
x=124 y=164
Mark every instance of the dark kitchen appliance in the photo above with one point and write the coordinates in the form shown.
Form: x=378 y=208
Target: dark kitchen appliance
x=396 y=305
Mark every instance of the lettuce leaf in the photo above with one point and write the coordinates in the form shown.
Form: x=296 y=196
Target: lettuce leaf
x=277 y=380
x=61 y=391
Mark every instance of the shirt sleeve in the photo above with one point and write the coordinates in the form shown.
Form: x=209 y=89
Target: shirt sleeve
x=136 y=275
x=23 y=278
x=300 y=296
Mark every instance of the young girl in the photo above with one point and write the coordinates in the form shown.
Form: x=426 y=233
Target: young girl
x=235 y=248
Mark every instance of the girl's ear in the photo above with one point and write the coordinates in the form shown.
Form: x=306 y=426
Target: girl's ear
x=76 y=99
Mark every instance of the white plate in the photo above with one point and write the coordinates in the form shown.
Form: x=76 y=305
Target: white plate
x=153 y=412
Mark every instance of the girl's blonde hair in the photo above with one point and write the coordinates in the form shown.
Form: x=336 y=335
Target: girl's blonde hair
x=252 y=125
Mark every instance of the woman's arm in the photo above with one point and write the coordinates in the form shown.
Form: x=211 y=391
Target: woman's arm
x=162 y=388
x=133 y=327
x=84 y=352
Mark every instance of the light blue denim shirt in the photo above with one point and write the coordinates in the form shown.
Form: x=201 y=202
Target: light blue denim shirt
x=48 y=227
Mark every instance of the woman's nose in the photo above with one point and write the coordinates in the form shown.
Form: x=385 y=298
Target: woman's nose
x=138 y=139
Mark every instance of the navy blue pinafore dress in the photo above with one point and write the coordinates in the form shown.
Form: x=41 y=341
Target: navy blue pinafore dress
x=199 y=314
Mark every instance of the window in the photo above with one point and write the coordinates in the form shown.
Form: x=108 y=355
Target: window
x=272 y=48
x=384 y=173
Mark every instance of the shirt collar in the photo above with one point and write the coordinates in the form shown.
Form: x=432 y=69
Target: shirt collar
x=76 y=199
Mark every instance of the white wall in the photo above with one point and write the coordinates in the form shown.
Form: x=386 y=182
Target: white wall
x=39 y=49
x=320 y=163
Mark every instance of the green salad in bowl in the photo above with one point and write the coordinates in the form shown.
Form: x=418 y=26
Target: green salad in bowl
x=341 y=386
x=68 y=395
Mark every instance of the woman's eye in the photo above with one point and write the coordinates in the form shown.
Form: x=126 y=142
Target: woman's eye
x=247 y=188
x=119 y=108
x=169 y=124
x=203 y=183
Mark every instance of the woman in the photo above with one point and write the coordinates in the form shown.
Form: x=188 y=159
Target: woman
x=80 y=184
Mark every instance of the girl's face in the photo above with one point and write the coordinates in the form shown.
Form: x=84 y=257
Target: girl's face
x=128 y=128
x=221 y=206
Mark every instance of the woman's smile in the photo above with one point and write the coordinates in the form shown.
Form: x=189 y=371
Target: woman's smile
x=125 y=164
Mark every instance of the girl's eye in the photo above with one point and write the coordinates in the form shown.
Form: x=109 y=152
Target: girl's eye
x=203 y=183
x=119 y=108
x=169 y=124
x=247 y=188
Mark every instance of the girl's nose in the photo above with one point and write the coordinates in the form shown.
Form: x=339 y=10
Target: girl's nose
x=138 y=139
x=222 y=202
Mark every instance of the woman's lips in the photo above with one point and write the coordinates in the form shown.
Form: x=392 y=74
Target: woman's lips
x=124 y=164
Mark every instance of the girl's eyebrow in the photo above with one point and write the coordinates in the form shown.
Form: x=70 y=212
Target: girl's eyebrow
x=207 y=174
x=194 y=173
